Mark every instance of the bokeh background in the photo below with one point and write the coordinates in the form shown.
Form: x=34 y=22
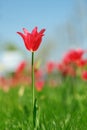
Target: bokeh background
x=65 y=23
x=60 y=65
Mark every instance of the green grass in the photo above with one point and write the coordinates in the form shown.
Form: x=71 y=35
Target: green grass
x=60 y=108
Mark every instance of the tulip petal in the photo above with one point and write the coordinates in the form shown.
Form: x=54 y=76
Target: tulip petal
x=34 y=31
x=38 y=42
x=25 y=31
x=42 y=31
x=24 y=38
x=21 y=34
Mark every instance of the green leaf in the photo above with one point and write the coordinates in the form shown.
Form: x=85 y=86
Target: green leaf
x=36 y=115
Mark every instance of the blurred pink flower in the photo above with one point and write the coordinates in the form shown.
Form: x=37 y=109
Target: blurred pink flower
x=39 y=85
x=50 y=67
x=38 y=73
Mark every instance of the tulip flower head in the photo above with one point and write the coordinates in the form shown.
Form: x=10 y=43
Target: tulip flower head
x=32 y=40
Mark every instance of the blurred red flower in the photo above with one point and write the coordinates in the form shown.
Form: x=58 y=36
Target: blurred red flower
x=60 y=66
x=32 y=40
x=38 y=73
x=81 y=62
x=21 y=67
x=50 y=67
x=66 y=70
x=39 y=85
x=73 y=56
x=84 y=75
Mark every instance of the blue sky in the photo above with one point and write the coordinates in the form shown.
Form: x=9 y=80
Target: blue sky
x=14 y=15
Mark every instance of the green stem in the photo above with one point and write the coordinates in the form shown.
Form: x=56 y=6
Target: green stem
x=33 y=94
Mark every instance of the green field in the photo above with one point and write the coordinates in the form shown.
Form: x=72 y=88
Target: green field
x=61 y=108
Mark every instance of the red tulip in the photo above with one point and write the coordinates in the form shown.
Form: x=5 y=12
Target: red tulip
x=32 y=40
